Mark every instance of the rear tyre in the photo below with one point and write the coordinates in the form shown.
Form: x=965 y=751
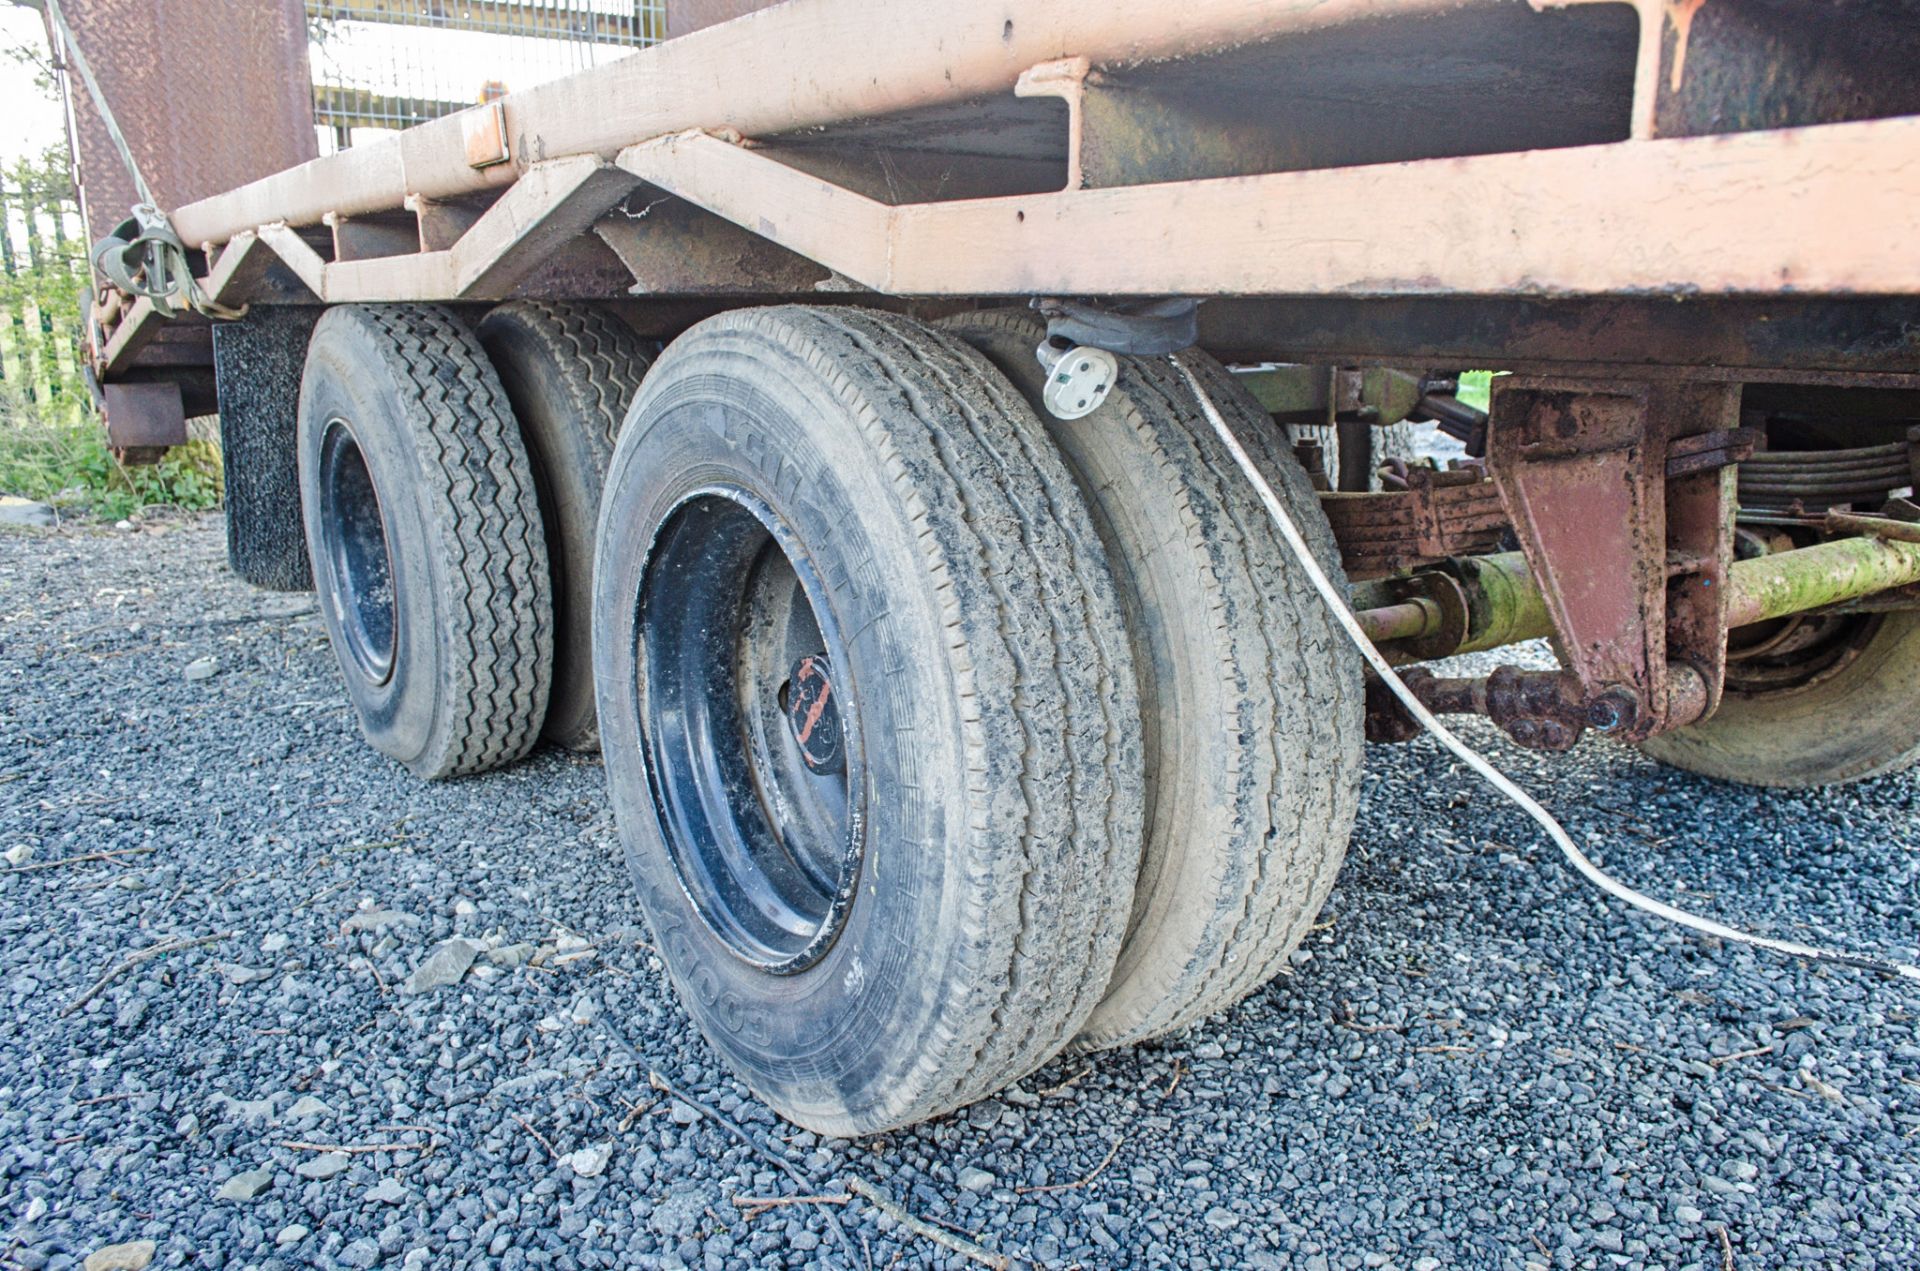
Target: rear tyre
x=570 y=370
x=867 y=711
x=1251 y=699
x=1842 y=708
x=424 y=536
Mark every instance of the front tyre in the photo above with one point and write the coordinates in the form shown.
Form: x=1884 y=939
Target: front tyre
x=867 y=711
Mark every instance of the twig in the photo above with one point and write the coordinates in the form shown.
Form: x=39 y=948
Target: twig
x=1072 y=1187
x=1068 y=1084
x=76 y=860
x=1343 y=1016
x=538 y=1137
x=926 y=1230
x=634 y=1113
x=1726 y=1248
x=666 y=1087
x=754 y=1145
x=1178 y=1069
x=354 y=1149
x=1755 y=1053
x=133 y=960
x=754 y=1206
x=1443 y=1050
x=108 y=1098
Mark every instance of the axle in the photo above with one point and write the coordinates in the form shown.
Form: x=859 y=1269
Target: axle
x=1503 y=604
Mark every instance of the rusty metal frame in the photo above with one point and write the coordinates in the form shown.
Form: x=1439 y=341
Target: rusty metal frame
x=1488 y=224
x=1622 y=495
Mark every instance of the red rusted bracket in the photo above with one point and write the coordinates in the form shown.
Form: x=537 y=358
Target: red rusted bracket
x=1622 y=495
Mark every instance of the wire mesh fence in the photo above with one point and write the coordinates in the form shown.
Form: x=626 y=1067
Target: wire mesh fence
x=43 y=274
x=388 y=64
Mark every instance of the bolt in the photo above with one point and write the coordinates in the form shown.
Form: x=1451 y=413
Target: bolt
x=1613 y=710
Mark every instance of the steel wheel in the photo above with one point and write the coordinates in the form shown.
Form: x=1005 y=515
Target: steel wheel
x=353 y=554
x=750 y=730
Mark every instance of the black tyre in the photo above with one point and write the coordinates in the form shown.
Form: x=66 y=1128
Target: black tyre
x=868 y=713
x=1251 y=699
x=424 y=535
x=570 y=371
x=1812 y=701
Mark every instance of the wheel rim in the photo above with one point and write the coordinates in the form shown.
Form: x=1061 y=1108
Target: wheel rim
x=750 y=729
x=354 y=554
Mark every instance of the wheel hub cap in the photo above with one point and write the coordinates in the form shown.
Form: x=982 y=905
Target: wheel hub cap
x=814 y=716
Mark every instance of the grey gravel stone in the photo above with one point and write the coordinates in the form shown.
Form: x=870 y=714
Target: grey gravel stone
x=974 y=1179
x=388 y=1191
x=246 y=1185
x=1547 y=1066
x=134 y=1255
x=446 y=965
x=15 y=510
x=324 y=1166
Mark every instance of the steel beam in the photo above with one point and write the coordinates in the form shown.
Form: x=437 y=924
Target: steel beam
x=1630 y=217
x=811 y=64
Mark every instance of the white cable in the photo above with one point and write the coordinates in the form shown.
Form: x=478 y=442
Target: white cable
x=1337 y=605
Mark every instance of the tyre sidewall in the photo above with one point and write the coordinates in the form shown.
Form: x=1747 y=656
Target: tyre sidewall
x=840 y=1034
x=1859 y=722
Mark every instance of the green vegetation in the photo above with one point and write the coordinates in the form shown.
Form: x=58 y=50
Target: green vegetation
x=52 y=445
x=1476 y=388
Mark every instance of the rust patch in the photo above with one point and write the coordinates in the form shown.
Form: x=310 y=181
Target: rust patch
x=1680 y=14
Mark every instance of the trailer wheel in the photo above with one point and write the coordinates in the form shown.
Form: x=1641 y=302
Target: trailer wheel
x=1251 y=700
x=867 y=711
x=570 y=370
x=424 y=535
x=1841 y=708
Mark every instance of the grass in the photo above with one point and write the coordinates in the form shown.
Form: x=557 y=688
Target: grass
x=1476 y=388
x=62 y=458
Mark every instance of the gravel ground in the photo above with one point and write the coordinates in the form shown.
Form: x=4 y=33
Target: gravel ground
x=1477 y=1061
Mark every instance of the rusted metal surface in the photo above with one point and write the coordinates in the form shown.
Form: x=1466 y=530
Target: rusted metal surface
x=1632 y=563
x=210 y=97
x=1542 y=710
x=1466 y=81
x=1855 y=341
x=1741 y=65
x=671 y=247
x=1302 y=394
x=483 y=135
x=1437 y=516
x=1703 y=443
x=1816 y=480
x=1895 y=530
x=143 y=418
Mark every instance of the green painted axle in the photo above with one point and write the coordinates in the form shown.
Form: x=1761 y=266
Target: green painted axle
x=1505 y=604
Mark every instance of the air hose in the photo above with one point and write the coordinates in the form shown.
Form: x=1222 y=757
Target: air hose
x=1337 y=605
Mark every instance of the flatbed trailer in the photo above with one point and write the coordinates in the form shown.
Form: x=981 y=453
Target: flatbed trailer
x=958 y=700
